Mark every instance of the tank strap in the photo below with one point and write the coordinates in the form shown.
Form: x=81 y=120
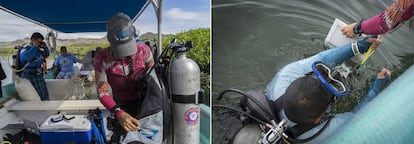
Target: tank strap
x=300 y=129
x=185 y=98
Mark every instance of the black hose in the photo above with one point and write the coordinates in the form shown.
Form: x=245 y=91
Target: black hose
x=241 y=112
x=157 y=59
x=268 y=114
x=294 y=140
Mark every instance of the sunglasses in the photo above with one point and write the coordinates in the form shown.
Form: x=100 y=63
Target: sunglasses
x=331 y=79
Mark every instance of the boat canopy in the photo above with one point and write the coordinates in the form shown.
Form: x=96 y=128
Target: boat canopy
x=73 y=16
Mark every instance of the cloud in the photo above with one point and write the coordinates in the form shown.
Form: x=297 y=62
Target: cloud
x=179 y=20
x=175 y=20
x=12 y=27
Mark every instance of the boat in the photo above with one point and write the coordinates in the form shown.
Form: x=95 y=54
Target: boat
x=72 y=17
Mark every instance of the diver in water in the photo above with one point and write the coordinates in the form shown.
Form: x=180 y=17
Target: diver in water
x=301 y=93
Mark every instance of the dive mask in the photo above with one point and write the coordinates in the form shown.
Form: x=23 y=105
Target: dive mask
x=333 y=81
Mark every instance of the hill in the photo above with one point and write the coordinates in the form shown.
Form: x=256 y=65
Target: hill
x=77 y=42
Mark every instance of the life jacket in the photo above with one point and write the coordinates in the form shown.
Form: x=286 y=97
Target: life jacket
x=153 y=97
x=17 y=68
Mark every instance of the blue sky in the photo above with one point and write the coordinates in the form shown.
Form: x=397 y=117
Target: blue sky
x=178 y=16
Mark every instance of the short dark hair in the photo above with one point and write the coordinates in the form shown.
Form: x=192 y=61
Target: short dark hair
x=63 y=47
x=305 y=100
x=36 y=35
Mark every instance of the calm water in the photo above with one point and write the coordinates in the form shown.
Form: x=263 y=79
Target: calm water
x=252 y=40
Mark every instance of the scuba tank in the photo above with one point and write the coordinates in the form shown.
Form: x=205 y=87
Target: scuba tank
x=184 y=82
x=16 y=58
x=18 y=67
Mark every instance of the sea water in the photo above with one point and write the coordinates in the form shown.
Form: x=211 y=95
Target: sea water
x=252 y=40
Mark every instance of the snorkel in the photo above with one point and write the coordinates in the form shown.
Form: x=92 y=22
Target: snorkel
x=343 y=89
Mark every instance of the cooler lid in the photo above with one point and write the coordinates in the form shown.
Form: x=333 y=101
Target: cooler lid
x=55 y=123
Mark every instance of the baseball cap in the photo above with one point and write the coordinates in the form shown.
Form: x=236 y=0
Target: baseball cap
x=121 y=35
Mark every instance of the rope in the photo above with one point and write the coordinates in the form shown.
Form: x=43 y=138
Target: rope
x=20 y=70
x=244 y=113
x=367 y=55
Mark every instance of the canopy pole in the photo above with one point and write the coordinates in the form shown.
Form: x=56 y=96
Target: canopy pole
x=158 y=11
x=159 y=28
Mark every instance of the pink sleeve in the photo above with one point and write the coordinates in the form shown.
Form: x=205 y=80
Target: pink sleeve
x=375 y=25
x=109 y=104
x=394 y=15
x=409 y=13
x=103 y=86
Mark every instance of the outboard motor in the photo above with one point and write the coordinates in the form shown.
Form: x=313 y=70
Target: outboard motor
x=184 y=76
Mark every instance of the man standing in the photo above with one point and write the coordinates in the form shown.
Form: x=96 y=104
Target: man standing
x=31 y=58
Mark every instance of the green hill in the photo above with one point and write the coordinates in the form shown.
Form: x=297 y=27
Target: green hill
x=77 y=46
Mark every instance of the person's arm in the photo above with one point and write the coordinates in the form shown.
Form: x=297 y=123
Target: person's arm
x=336 y=56
x=398 y=12
x=298 y=69
x=128 y=122
x=28 y=54
x=56 y=62
x=44 y=51
x=103 y=87
x=375 y=88
x=75 y=59
x=340 y=54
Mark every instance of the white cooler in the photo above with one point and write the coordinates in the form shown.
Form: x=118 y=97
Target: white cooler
x=70 y=128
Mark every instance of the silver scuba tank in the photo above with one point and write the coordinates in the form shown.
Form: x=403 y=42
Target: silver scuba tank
x=15 y=58
x=185 y=86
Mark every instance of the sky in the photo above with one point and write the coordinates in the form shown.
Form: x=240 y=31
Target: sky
x=178 y=16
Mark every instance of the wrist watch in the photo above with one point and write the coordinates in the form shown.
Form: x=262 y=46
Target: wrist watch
x=357 y=28
x=115 y=109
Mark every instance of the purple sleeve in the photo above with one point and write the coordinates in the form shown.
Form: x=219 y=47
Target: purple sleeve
x=398 y=12
x=376 y=25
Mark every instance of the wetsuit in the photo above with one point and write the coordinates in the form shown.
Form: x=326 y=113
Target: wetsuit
x=297 y=69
